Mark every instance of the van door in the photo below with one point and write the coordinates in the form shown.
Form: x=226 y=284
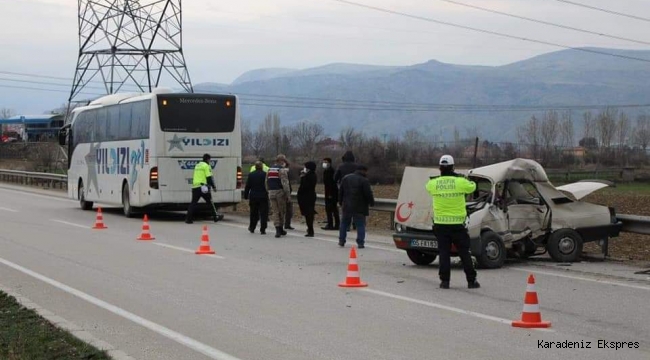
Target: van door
x=526 y=211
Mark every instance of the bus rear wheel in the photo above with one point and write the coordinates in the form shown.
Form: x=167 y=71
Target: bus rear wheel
x=85 y=205
x=129 y=211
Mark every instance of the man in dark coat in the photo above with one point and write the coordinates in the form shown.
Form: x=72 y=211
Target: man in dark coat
x=307 y=195
x=347 y=167
x=355 y=197
x=257 y=195
x=289 y=208
x=331 y=196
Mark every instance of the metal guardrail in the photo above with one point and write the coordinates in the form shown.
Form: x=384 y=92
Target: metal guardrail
x=631 y=223
x=32 y=178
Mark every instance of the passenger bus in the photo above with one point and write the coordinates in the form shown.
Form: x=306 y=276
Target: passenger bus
x=138 y=151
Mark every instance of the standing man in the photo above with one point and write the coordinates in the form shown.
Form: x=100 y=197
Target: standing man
x=258 y=197
x=289 y=215
x=347 y=167
x=277 y=182
x=200 y=182
x=355 y=197
x=449 y=214
x=331 y=196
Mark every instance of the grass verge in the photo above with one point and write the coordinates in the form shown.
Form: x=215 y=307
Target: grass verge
x=25 y=335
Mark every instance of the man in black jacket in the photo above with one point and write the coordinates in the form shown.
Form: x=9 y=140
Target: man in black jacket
x=258 y=197
x=355 y=197
x=347 y=167
x=331 y=196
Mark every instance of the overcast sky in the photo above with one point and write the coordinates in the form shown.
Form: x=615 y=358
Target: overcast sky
x=223 y=39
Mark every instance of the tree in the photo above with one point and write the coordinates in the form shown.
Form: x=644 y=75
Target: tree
x=530 y=134
x=590 y=129
x=412 y=146
x=306 y=136
x=6 y=113
x=567 y=134
x=622 y=134
x=641 y=136
x=606 y=121
x=351 y=139
x=549 y=133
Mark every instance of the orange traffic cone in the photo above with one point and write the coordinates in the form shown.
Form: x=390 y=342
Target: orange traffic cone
x=99 y=222
x=205 y=243
x=530 y=316
x=353 y=279
x=146 y=235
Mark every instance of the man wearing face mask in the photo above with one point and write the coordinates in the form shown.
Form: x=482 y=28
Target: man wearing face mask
x=331 y=196
x=277 y=182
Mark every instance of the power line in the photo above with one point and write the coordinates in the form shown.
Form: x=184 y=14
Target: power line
x=40 y=89
x=50 y=77
x=303 y=102
x=604 y=10
x=46 y=83
x=417 y=17
x=546 y=22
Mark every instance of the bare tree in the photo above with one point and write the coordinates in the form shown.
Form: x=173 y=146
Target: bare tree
x=607 y=126
x=6 y=113
x=306 y=136
x=622 y=134
x=351 y=139
x=412 y=145
x=567 y=131
x=530 y=134
x=549 y=133
x=642 y=132
x=590 y=126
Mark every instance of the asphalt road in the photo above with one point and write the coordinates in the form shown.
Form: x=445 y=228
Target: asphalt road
x=267 y=298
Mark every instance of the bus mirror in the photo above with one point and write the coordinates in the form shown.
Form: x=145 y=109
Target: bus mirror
x=63 y=134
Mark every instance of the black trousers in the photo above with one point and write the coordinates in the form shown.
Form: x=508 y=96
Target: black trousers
x=259 y=212
x=289 y=215
x=197 y=195
x=309 y=219
x=458 y=235
x=332 y=210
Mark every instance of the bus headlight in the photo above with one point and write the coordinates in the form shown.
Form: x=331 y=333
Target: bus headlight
x=400 y=228
x=153 y=177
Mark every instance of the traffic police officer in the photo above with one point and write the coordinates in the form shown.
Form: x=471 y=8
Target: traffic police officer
x=449 y=215
x=200 y=182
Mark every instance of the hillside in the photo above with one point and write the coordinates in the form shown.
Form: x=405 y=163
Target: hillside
x=566 y=77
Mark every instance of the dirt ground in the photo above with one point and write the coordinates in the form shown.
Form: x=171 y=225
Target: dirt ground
x=627 y=247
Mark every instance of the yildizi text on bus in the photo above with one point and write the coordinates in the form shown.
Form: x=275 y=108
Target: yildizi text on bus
x=138 y=151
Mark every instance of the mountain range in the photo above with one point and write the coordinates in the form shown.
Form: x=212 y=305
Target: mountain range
x=363 y=93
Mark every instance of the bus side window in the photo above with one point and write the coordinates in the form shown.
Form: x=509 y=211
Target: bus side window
x=125 y=122
x=113 y=123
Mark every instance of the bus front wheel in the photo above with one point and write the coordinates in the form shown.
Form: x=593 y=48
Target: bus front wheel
x=85 y=205
x=126 y=202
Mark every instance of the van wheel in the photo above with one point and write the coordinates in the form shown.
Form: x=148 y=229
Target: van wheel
x=493 y=251
x=420 y=258
x=85 y=205
x=565 y=245
x=126 y=202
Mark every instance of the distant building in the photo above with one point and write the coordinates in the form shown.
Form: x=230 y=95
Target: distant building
x=329 y=144
x=34 y=127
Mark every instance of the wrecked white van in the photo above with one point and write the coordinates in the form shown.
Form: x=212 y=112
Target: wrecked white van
x=515 y=211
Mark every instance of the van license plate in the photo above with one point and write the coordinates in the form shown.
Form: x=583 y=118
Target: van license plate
x=424 y=243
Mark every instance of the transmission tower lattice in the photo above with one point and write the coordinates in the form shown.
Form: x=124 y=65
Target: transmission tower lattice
x=133 y=45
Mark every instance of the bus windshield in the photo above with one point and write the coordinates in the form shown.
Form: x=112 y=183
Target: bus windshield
x=193 y=113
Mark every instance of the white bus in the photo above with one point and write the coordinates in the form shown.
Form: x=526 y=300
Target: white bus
x=139 y=150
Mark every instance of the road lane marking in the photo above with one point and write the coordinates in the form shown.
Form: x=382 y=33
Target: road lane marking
x=8 y=209
x=184 y=249
x=69 y=223
x=318 y=238
x=605 y=282
x=445 y=307
x=159 y=329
